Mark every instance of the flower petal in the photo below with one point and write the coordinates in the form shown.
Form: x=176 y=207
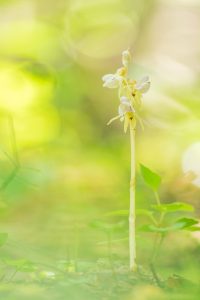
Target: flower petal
x=113 y=119
x=107 y=77
x=124 y=100
x=143 y=85
x=111 y=81
x=125 y=106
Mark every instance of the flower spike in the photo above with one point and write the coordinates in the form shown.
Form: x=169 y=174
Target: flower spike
x=130 y=92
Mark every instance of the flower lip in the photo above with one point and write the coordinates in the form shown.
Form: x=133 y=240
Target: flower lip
x=143 y=85
x=130 y=92
x=107 y=77
x=125 y=106
x=111 y=81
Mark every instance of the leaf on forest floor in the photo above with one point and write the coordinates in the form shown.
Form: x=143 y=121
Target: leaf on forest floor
x=22 y=265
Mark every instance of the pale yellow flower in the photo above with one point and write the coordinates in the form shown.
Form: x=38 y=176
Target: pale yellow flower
x=130 y=92
x=126 y=113
x=143 y=85
x=125 y=106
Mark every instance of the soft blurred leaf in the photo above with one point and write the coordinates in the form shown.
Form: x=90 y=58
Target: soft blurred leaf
x=22 y=265
x=193 y=228
x=153 y=228
x=183 y=223
x=173 y=207
x=152 y=179
x=144 y=212
x=107 y=227
x=28 y=267
x=15 y=262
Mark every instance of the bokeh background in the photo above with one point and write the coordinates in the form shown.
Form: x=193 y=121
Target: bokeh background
x=61 y=167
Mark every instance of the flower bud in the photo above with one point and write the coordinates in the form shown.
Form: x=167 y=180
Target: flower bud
x=122 y=72
x=126 y=58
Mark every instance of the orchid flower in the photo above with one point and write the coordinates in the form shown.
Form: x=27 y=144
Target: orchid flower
x=125 y=112
x=130 y=92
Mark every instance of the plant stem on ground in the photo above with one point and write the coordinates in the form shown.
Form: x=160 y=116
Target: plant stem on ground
x=130 y=94
x=132 y=239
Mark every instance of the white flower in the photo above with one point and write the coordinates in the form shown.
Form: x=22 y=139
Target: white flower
x=125 y=106
x=112 y=81
x=125 y=112
x=132 y=91
x=143 y=85
x=126 y=58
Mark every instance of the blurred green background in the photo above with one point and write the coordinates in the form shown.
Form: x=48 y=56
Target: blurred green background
x=72 y=168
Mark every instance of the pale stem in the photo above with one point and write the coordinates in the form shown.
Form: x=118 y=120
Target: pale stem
x=132 y=239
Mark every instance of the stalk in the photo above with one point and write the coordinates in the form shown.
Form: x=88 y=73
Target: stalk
x=130 y=94
x=132 y=239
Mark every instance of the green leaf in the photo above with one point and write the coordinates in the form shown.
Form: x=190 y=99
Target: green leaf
x=152 y=179
x=122 y=212
x=3 y=238
x=22 y=265
x=154 y=228
x=28 y=267
x=185 y=223
x=107 y=227
x=147 y=213
x=180 y=224
x=144 y=212
x=14 y=262
x=173 y=207
x=193 y=228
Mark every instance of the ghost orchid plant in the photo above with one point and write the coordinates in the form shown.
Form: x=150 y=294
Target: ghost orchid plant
x=130 y=94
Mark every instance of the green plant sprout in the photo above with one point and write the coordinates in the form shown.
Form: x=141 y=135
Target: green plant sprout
x=130 y=95
x=162 y=218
